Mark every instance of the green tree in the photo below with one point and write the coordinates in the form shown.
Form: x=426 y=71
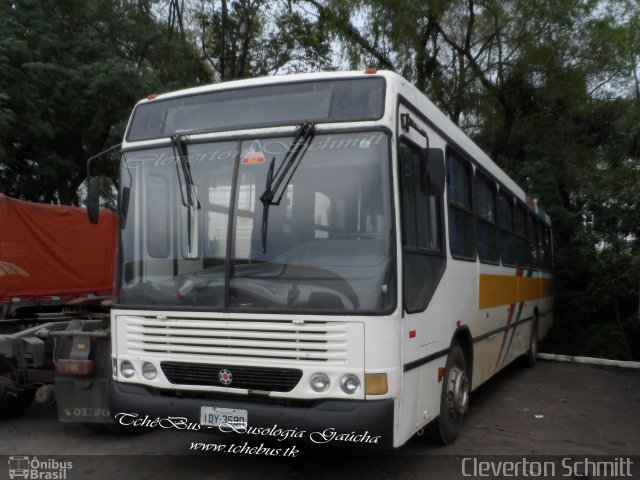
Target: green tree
x=70 y=72
x=249 y=38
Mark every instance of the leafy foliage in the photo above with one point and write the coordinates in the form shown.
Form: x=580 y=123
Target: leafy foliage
x=248 y=38
x=71 y=70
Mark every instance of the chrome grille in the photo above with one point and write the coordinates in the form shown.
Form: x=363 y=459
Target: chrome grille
x=250 y=378
x=311 y=341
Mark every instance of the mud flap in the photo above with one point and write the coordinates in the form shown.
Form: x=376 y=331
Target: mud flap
x=82 y=399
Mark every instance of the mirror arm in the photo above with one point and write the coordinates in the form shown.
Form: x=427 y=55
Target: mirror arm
x=406 y=122
x=93 y=185
x=108 y=151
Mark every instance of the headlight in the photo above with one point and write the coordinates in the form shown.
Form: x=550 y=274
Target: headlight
x=350 y=384
x=149 y=371
x=126 y=369
x=319 y=382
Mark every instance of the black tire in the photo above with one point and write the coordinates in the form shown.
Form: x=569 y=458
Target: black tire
x=531 y=356
x=454 y=400
x=11 y=406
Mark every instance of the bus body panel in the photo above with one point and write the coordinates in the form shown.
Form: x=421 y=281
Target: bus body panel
x=496 y=305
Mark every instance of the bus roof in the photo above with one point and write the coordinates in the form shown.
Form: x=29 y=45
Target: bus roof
x=395 y=85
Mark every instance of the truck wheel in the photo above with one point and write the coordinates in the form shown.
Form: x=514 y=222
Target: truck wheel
x=454 y=400
x=13 y=406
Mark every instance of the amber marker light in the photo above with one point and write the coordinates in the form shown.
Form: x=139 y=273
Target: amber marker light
x=151 y=96
x=371 y=70
x=376 y=383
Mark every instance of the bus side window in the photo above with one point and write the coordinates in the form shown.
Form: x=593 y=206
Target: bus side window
x=488 y=232
x=462 y=235
x=548 y=247
x=408 y=196
x=519 y=222
x=420 y=213
x=532 y=235
x=505 y=220
x=423 y=258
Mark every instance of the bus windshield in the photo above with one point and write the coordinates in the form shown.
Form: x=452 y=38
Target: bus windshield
x=329 y=241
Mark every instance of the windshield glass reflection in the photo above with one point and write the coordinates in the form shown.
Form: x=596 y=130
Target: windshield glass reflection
x=328 y=241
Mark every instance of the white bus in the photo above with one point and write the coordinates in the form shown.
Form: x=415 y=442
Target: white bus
x=321 y=252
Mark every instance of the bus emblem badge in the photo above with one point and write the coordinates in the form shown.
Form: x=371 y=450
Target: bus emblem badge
x=225 y=376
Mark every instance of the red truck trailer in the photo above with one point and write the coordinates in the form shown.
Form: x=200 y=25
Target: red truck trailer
x=56 y=275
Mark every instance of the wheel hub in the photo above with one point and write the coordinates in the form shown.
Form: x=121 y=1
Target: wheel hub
x=458 y=391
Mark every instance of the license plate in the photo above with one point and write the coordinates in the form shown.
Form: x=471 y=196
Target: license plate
x=214 y=417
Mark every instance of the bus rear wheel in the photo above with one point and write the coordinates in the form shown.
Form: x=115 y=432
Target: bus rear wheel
x=454 y=401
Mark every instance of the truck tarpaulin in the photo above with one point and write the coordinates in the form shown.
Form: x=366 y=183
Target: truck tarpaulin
x=50 y=250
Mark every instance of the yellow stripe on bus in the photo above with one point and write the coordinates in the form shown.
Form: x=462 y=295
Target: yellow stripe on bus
x=498 y=290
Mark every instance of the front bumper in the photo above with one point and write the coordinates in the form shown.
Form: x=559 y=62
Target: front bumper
x=345 y=423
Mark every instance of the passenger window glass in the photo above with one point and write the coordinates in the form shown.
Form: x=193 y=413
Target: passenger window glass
x=420 y=212
x=508 y=248
x=422 y=217
x=462 y=235
x=459 y=181
x=488 y=231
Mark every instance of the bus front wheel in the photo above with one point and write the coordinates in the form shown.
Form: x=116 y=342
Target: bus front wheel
x=454 y=400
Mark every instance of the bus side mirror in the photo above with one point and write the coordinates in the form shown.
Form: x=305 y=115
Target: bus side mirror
x=432 y=172
x=93 y=199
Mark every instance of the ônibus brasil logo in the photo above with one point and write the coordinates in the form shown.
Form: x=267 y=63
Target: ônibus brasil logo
x=33 y=468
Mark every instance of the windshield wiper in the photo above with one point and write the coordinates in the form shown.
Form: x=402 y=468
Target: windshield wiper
x=187 y=188
x=279 y=180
